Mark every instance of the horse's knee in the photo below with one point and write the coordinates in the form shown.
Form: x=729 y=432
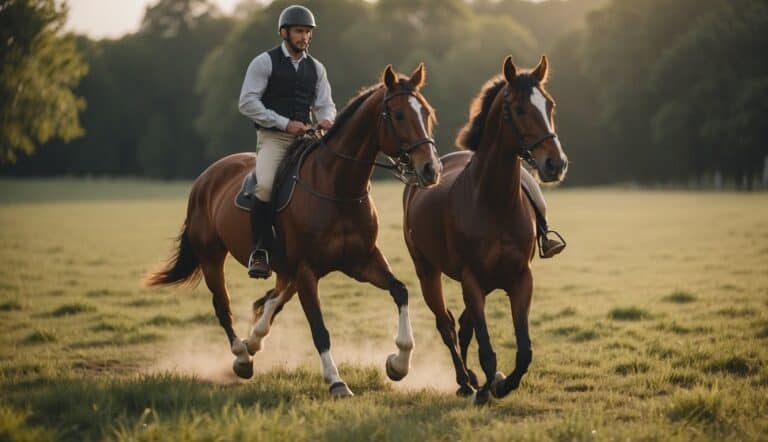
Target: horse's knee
x=222 y=313
x=398 y=291
x=487 y=357
x=446 y=327
x=465 y=331
x=321 y=339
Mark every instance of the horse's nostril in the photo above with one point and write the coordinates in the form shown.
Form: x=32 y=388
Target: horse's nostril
x=428 y=172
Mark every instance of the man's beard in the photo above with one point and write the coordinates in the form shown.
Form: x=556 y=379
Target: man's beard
x=293 y=47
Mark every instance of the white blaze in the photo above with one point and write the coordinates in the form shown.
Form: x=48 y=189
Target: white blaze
x=416 y=105
x=540 y=103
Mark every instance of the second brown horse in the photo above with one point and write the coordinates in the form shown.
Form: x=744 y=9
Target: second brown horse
x=478 y=227
x=329 y=225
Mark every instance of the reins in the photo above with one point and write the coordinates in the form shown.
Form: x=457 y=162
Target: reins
x=399 y=169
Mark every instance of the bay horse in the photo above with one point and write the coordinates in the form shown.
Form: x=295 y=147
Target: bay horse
x=478 y=227
x=330 y=223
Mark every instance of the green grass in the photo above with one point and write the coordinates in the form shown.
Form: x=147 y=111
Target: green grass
x=10 y=306
x=680 y=297
x=628 y=314
x=621 y=352
x=73 y=309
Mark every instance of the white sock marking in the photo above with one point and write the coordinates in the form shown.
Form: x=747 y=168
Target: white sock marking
x=330 y=372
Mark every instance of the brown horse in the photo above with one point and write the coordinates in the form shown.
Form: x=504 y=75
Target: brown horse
x=478 y=227
x=330 y=223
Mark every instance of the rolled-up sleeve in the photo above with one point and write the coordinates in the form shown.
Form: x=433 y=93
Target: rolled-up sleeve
x=254 y=85
x=323 y=107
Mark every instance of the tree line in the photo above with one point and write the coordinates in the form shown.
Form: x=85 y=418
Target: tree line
x=649 y=91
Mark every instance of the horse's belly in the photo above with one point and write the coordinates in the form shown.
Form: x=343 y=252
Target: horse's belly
x=333 y=247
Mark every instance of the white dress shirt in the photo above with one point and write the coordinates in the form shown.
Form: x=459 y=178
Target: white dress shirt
x=255 y=84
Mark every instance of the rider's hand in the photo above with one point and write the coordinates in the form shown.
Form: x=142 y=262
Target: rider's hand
x=325 y=124
x=296 y=128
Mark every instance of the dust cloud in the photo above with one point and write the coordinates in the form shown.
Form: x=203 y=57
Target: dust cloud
x=205 y=354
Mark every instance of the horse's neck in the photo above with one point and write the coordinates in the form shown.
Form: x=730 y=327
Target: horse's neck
x=496 y=175
x=349 y=178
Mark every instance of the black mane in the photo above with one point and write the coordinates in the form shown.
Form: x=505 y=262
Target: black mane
x=349 y=110
x=471 y=134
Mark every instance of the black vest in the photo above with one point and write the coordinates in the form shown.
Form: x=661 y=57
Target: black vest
x=290 y=92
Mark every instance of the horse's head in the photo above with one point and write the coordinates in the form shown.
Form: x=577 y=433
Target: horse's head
x=405 y=129
x=528 y=112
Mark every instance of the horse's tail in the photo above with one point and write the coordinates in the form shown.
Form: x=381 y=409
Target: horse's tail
x=182 y=268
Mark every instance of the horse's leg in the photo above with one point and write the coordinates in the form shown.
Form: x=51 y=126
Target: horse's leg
x=273 y=301
x=474 y=300
x=213 y=272
x=306 y=281
x=377 y=272
x=466 y=330
x=520 y=302
x=432 y=291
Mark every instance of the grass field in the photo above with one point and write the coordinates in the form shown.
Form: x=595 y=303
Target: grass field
x=653 y=325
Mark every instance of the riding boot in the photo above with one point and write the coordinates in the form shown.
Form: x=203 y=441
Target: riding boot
x=547 y=247
x=258 y=262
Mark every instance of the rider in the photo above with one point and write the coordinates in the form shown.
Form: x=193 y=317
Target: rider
x=281 y=86
x=548 y=247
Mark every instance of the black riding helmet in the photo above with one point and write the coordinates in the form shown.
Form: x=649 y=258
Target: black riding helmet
x=296 y=15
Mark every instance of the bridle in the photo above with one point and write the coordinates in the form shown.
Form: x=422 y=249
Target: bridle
x=525 y=151
x=401 y=167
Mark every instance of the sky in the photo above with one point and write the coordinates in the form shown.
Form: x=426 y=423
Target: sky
x=114 y=18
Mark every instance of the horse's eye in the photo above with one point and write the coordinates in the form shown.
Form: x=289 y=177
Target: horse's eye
x=399 y=116
x=520 y=110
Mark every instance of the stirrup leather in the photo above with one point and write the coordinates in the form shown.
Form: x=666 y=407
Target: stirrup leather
x=543 y=236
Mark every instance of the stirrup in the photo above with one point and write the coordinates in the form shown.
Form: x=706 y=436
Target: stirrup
x=543 y=236
x=251 y=260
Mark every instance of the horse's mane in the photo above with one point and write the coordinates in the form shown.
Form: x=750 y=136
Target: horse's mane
x=355 y=102
x=352 y=106
x=471 y=134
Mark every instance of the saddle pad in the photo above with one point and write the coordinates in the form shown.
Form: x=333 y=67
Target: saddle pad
x=244 y=199
x=285 y=180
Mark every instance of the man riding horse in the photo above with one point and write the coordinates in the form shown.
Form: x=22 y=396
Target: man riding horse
x=281 y=86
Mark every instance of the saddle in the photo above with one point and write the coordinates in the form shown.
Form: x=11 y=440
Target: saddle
x=285 y=178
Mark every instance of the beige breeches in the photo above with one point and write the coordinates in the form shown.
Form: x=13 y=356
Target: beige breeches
x=271 y=148
x=530 y=184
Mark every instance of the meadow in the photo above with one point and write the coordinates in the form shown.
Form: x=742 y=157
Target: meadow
x=652 y=325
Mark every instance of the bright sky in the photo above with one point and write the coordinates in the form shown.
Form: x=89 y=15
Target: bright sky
x=113 y=18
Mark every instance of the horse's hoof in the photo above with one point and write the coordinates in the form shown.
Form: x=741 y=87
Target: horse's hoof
x=340 y=389
x=473 y=379
x=482 y=397
x=465 y=391
x=496 y=384
x=243 y=369
x=391 y=372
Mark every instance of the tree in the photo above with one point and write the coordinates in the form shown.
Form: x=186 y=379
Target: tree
x=39 y=67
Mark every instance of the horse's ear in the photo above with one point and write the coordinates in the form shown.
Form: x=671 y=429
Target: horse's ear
x=419 y=76
x=510 y=70
x=542 y=70
x=389 y=77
